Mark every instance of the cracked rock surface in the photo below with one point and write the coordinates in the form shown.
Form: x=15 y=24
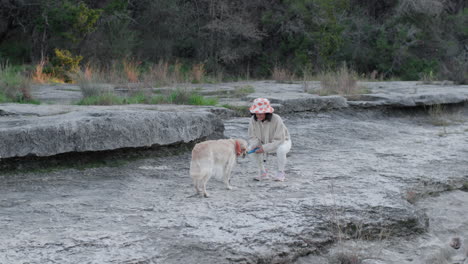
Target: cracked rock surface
x=350 y=174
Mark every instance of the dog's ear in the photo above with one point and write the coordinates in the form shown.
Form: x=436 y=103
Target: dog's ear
x=238 y=148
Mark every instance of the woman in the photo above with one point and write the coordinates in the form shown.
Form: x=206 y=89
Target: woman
x=268 y=134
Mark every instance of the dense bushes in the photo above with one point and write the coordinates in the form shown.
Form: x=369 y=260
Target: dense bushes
x=405 y=39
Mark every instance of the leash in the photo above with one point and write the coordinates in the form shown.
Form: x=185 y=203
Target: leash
x=253 y=150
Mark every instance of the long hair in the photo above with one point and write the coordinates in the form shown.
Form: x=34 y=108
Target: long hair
x=268 y=117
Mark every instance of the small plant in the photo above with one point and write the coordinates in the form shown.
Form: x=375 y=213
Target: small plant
x=427 y=78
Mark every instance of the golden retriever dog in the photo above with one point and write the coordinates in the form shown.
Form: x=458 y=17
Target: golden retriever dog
x=213 y=156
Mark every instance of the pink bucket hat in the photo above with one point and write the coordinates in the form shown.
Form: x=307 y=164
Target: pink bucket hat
x=261 y=106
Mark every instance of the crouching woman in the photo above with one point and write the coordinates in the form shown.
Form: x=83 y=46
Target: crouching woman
x=268 y=134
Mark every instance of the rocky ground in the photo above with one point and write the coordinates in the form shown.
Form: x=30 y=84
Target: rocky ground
x=388 y=179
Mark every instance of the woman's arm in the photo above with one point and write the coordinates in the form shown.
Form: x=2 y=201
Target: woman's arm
x=278 y=135
x=254 y=141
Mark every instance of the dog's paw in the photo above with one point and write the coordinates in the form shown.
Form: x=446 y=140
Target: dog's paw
x=229 y=187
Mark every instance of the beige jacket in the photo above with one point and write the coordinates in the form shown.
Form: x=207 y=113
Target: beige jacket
x=269 y=134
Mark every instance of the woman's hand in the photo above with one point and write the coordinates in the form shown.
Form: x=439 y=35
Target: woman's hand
x=259 y=150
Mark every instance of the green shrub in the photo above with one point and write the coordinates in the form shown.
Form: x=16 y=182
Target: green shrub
x=414 y=68
x=64 y=64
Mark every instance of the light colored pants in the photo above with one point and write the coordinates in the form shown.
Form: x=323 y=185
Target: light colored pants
x=281 y=152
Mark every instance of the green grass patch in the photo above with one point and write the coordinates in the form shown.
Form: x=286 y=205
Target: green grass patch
x=180 y=96
x=175 y=97
x=196 y=99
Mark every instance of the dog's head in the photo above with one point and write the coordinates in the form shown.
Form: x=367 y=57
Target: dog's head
x=241 y=147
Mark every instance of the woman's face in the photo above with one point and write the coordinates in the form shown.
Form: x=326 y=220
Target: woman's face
x=260 y=117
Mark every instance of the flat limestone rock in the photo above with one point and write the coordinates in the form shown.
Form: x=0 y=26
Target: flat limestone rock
x=31 y=130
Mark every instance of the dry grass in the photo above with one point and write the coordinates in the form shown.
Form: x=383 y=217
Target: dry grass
x=159 y=73
x=343 y=82
x=38 y=75
x=177 y=72
x=438 y=115
x=198 y=73
x=163 y=73
x=307 y=77
x=91 y=83
x=282 y=75
x=131 y=70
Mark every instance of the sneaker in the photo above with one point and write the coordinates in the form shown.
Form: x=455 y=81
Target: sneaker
x=279 y=176
x=263 y=176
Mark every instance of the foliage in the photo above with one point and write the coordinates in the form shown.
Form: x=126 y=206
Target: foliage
x=64 y=64
x=406 y=38
x=67 y=21
x=415 y=68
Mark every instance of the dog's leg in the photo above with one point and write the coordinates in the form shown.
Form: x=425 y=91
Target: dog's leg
x=205 y=194
x=196 y=184
x=227 y=173
x=204 y=181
